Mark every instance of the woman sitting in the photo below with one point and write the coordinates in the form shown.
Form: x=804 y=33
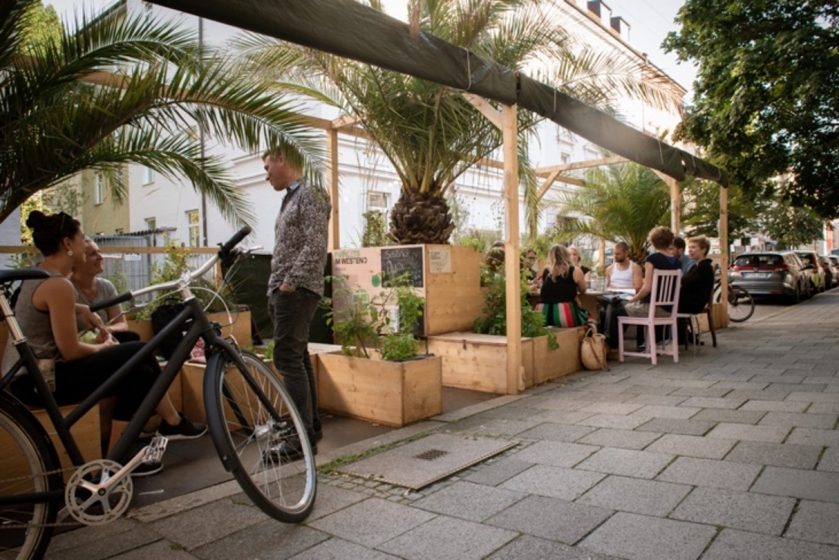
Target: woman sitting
x=698 y=282
x=561 y=281
x=46 y=312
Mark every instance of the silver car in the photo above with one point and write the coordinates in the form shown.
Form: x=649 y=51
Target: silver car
x=770 y=274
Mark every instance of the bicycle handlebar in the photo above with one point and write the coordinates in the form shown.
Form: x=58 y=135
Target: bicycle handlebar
x=224 y=251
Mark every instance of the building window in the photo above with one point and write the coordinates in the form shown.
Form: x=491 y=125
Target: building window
x=98 y=189
x=148 y=175
x=193 y=221
x=564 y=158
x=151 y=224
x=376 y=199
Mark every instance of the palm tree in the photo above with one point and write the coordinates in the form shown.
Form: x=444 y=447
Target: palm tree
x=429 y=132
x=63 y=108
x=618 y=203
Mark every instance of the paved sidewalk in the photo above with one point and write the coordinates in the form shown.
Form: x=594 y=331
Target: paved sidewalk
x=731 y=454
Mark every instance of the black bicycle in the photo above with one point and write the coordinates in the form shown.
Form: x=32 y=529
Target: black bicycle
x=741 y=305
x=249 y=412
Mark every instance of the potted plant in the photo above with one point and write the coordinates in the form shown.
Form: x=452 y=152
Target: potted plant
x=379 y=374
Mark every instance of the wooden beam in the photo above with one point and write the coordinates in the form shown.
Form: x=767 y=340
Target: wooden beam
x=724 y=252
x=332 y=182
x=546 y=185
x=675 y=206
x=492 y=114
x=586 y=164
x=345 y=121
x=512 y=269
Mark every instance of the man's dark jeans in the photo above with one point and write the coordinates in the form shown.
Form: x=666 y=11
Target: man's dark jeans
x=292 y=315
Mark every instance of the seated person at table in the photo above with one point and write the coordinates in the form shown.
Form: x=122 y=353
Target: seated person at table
x=561 y=282
x=679 y=252
x=91 y=289
x=576 y=260
x=623 y=274
x=661 y=238
x=698 y=282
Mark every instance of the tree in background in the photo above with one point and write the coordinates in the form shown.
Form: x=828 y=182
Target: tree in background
x=766 y=100
x=701 y=209
x=55 y=121
x=790 y=226
x=618 y=203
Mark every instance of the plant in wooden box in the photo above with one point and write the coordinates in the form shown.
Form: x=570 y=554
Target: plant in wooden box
x=379 y=375
x=494 y=317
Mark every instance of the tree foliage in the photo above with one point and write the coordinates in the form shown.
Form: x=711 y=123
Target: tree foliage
x=790 y=226
x=701 y=209
x=766 y=100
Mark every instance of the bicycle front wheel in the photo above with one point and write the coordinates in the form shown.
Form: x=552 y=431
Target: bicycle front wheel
x=741 y=306
x=28 y=478
x=260 y=436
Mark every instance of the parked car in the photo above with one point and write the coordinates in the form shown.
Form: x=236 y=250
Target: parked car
x=771 y=274
x=813 y=269
x=832 y=262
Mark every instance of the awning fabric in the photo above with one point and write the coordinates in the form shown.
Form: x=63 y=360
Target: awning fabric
x=352 y=30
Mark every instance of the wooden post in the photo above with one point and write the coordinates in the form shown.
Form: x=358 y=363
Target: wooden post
x=601 y=257
x=724 y=257
x=675 y=206
x=512 y=269
x=332 y=181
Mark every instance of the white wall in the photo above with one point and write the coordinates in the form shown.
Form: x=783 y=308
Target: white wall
x=9 y=235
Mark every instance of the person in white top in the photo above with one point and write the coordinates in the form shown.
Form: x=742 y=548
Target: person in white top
x=623 y=274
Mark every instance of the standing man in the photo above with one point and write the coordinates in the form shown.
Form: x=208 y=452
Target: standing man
x=296 y=284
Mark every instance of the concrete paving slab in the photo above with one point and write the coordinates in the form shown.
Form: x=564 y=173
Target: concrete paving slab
x=659 y=400
x=664 y=411
x=87 y=535
x=492 y=427
x=270 y=539
x=815 y=521
x=556 y=453
x=554 y=482
x=766 y=395
x=775 y=406
x=648 y=390
x=527 y=547
x=814 y=436
x=738 y=510
x=639 y=537
x=692 y=446
x=339 y=549
x=801 y=420
x=627 y=462
x=710 y=402
x=372 y=522
x=561 y=417
x=823 y=408
x=635 y=495
x=550 y=518
x=556 y=432
x=331 y=499
x=730 y=416
x=713 y=392
x=447 y=537
x=620 y=438
x=103 y=546
x=730 y=431
x=611 y=408
x=825 y=398
x=615 y=421
x=740 y=545
x=830 y=460
x=470 y=501
x=775 y=454
x=691 y=427
x=158 y=549
x=209 y=523
x=493 y=473
x=710 y=473
x=809 y=485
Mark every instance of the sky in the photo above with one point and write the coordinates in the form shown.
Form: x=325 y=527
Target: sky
x=649 y=20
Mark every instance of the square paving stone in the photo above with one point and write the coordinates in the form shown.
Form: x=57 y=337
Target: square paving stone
x=802 y=420
x=831 y=398
x=555 y=482
x=771 y=434
x=830 y=460
x=550 y=518
x=562 y=417
x=640 y=537
x=691 y=427
x=556 y=453
x=611 y=408
x=740 y=545
x=339 y=549
x=556 y=432
x=447 y=537
x=331 y=498
x=627 y=462
x=775 y=406
x=657 y=400
x=208 y=523
x=467 y=500
x=634 y=495
x=620 y=438
x=726 y=415
x=159 y=549
x=496 y=472
x=815 y=521
x=810 y=485
x=527 y=547
x=814 y=436
x=739 y=510
x=615 y=421
x=663 y=411
x=776 y=454
x=692 y=446
x=267 y=540
x=710 y=402
x=707 y=472
x=372 y=521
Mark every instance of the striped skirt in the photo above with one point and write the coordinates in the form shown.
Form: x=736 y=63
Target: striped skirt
x=565 y=314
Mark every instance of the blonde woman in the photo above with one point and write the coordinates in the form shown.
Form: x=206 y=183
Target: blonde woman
x=561 y=282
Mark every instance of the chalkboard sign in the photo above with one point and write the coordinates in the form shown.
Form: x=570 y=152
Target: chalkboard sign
x=397 y=261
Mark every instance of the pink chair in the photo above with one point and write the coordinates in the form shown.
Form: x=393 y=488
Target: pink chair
x=665 y=294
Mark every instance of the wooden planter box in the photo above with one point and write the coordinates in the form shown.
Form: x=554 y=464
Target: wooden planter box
x=551 y=364
x=388 y=393
x=240 y=329
x=479 y=361
x=447 y=276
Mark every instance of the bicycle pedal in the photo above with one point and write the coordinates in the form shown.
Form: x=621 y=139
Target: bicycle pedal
x=155 y=449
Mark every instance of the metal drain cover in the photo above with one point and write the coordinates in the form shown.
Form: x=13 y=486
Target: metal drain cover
x=427 y=460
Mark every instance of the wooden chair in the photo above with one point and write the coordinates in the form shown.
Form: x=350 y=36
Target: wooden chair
x=664 y=295
x=696 y=327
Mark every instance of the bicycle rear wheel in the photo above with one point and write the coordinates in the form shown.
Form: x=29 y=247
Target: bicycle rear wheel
x=253 y=422
x=27 y=468
x=741 y=306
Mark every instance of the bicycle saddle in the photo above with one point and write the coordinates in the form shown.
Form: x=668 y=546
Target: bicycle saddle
x=14 y=275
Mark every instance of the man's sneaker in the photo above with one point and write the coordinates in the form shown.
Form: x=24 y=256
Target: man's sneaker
x=147 y=469
x=184 y=430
